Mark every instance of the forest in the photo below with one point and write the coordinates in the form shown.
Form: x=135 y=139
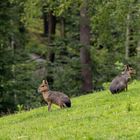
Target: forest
x=79 y=46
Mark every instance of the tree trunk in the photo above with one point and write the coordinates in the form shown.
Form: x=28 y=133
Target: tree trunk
x=62 y=27
x=45 y=22
x=51 y=33
x=131 y=42
x=138 y=48
x=127 y=38
x=52 y=26
x=84 y=51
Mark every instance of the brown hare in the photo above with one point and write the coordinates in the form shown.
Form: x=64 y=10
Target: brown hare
x=120 y=82
x=53 y=97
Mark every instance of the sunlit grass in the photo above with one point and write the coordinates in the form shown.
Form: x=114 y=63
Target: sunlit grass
x=99 y=116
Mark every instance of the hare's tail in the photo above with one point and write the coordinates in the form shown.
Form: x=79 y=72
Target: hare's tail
x=67 y=104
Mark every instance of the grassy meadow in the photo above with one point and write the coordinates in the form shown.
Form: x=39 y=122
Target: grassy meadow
x=96 y=116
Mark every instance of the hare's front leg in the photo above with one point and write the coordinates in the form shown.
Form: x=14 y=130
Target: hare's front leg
x=49 y=106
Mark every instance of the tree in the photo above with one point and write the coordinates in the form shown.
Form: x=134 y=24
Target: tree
x=45 y=21
x=84 y=51
x=51 y=34
x=16 y=84
x=132 y=28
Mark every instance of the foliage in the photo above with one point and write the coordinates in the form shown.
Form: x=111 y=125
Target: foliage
x=16 y=84
x=94 y=116
x=21 y=23
x=7 y=29
x=108 y=24
x=66 y=68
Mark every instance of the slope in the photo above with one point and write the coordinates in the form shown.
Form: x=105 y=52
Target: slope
x=92 y=117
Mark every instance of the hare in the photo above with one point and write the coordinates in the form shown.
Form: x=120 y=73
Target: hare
x=53 y=97
x=120 y=82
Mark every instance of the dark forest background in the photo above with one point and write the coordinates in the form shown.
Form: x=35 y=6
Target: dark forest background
x=77 y=45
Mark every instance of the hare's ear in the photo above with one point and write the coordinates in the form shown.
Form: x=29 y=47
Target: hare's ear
x=126 y=67
x=44 y=82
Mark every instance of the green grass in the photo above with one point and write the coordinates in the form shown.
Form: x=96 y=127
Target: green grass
x=99 y=116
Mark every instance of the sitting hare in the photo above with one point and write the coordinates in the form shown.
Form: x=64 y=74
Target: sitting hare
x=120 y=82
